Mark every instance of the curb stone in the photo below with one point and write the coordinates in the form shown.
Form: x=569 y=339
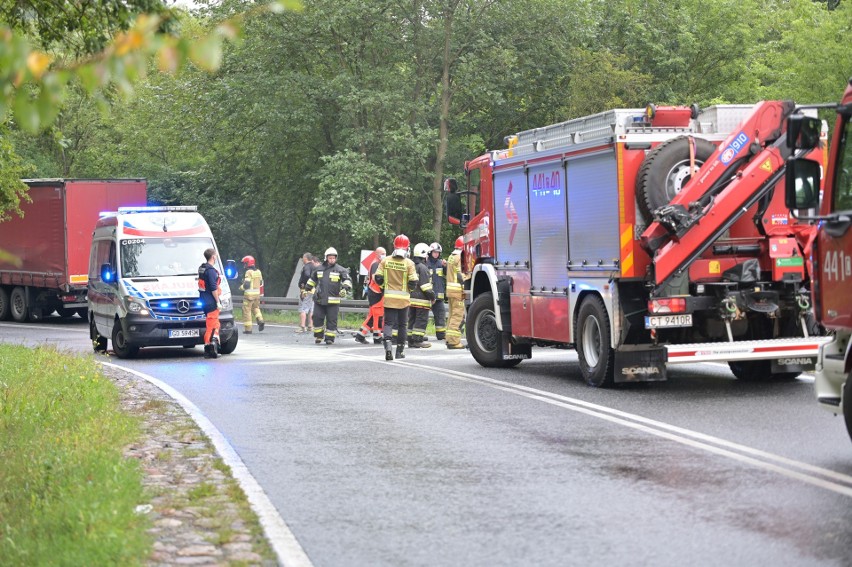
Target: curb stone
x=198 y=513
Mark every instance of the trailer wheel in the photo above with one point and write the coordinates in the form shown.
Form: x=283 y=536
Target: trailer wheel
x=120 y=345
x=99 y=342
x=19 y=305
x=666 y=170
x=592 y=330
x=483 y=336
x=4 y=304
x=230 y=345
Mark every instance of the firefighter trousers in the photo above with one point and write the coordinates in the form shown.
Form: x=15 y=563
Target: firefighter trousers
x=396 y=325
x=439 y=311
x=325 y=321
x=418 y=318
x=251 y=310
x=454 y=322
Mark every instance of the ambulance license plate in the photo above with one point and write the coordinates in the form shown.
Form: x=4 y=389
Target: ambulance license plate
x=182 y=333
x=660 y=321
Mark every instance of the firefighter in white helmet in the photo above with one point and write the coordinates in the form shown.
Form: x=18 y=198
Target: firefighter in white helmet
x=422 y=297
x=329 y=282
x=455 y=295
x=437 y=269
x=398 y=277
x=252 y=288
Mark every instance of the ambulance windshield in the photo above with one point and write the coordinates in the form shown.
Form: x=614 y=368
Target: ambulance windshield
x=159 y=257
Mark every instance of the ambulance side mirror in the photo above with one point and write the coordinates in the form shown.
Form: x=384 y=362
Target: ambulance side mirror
x=231 y=271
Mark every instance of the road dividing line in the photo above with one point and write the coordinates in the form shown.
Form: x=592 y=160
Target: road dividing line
x=817 y=476
x=281 y=538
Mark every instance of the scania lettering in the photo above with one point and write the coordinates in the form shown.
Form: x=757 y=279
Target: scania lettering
x=143 y=290
x=639 y=237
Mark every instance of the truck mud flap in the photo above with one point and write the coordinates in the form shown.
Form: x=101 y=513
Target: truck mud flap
x=640 y=363
x=794 y=364
x=512 y=351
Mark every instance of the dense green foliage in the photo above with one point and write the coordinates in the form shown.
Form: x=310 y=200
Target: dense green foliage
x=67 y=496
x=335 y=125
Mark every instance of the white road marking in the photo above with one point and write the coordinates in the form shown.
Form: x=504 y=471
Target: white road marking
x=816 y=476
x=281 y=538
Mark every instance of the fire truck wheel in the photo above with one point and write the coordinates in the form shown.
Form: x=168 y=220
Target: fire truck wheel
x=4 y=304
x=666 y=170
x=847 y=403
x=230 y=345
x=483 y=336
x=99 y=342
x=66 y=313
x=592 y=333
x=120 y=345
x=19 y=305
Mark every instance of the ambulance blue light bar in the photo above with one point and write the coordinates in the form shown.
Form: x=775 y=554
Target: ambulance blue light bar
x=159 y=209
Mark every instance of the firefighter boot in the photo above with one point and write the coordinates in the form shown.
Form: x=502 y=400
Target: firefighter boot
x=260 y=325
x=360 y=338
x=399 y=353
x=388 y=351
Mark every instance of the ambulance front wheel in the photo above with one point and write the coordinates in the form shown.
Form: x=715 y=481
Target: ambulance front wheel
x=592 y=332
x=227 y=347
x=121 y=346
x=484 y=339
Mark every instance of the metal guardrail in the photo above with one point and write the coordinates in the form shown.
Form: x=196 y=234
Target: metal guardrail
x=292 y=304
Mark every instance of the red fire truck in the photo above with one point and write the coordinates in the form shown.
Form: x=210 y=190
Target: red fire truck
x=640 y=237
x=831 y=253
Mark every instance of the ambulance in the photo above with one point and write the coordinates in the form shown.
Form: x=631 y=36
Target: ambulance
x=143 y=281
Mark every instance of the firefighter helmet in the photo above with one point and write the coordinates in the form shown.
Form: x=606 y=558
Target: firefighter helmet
x=401 y=242
x=330 y=251
x=248 y=261
x=435 y=246
x=459 y=243
x=421 y=250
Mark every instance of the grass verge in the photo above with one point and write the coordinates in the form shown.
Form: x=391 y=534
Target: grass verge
x=67 y=495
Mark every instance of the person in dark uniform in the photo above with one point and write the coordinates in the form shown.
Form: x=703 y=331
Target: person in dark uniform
x=208 y=291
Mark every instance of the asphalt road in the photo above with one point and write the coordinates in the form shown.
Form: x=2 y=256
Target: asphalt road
x=435 y=460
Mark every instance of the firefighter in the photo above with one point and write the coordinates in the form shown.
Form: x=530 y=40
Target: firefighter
x=422 y=298
x=252 y=288
x=328 y=283
x=455 y=296
x=374 y=321
x=437 y=267
x=398 y=277
x=208 y=291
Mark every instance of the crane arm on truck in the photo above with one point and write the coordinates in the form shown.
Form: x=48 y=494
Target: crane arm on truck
x=744 y=168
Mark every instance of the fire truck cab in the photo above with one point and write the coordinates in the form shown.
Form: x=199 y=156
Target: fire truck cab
x=640 y=237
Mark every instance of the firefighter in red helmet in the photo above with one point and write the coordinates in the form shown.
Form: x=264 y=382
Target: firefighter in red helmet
x=252 y=288
x=455 y=296
x=398 y=277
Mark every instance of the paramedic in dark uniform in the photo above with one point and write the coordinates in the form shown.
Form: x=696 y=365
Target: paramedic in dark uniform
x=208 y=291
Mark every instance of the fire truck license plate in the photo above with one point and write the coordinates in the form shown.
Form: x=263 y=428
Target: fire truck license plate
x=658 y=321
x=182 y=333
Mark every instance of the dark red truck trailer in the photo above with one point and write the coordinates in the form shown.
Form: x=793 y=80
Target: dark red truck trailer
x=52 y=243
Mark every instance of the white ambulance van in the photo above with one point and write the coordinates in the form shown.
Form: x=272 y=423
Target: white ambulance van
x=143 y=281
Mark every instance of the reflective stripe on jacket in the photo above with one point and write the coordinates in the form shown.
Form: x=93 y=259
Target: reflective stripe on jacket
x=252 y=283
x=327 y=282
x=397 y=273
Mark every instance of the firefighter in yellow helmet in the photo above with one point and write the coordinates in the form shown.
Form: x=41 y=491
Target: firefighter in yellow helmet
x=455 y=296
x=398 y=277
x=252 y=288
x=422 y=298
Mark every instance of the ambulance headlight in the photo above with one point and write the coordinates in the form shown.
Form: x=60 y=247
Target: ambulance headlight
x=136 y=306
